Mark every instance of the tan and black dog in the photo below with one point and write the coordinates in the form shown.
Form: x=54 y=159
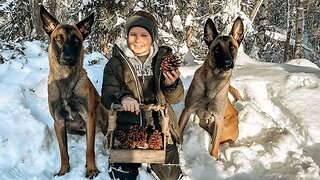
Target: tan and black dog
x=74 y=102
x=207 y=96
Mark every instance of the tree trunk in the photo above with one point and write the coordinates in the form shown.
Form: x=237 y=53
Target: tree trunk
x=1 y=59
x=289 y=31
x=36 y=20
x=262 y=28
x=299 y=29
x=189 y=30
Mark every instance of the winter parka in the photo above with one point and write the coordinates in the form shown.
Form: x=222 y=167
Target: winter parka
x=124 y=75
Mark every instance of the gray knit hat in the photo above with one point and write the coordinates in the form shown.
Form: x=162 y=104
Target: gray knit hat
x=145 y=20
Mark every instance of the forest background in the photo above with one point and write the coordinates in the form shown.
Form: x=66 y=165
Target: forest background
x=276 y=31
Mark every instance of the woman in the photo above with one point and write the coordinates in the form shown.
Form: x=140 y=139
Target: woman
x=132 y=77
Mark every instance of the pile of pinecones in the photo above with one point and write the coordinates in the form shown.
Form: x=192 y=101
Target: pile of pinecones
x=139 y=138
x=171 y=63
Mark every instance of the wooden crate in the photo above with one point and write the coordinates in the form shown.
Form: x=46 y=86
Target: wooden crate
x=137 y=156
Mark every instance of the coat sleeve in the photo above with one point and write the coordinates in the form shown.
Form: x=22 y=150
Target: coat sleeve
x=173 y=93
x=113 y=89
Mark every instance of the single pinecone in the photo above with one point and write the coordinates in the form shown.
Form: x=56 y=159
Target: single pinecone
x=155 y=140
x=171 y=63
x=127 y=144
x=120 y=135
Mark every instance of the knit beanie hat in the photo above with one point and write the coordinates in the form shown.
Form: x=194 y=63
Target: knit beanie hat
x=145 y=20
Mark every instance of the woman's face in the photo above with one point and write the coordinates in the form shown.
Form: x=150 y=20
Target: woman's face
x=139 y=41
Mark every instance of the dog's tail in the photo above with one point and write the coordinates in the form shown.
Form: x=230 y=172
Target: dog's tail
x=235 y=93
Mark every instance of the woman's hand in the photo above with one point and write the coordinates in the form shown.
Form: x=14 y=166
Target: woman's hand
x=130 y=104
x=171 y=77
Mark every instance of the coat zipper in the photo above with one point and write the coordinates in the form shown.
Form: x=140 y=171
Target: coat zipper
x=136 y=81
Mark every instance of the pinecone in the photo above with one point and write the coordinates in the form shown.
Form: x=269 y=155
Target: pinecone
x=137 y=133
x=120 y=135
x=171 y=63
x=137 y=138
x=155 y=140
x=127 y=145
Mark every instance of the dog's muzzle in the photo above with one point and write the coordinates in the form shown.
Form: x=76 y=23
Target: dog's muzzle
x=67 y=56
x=225 y=64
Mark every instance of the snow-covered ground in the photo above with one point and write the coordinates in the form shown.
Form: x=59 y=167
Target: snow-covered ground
x=279 y=123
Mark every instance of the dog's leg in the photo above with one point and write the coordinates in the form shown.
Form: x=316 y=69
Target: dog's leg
x=231 y=130
x=61 y=133
x=185 y=115
x=216 y=138
x=92 y=170
x=102 y=118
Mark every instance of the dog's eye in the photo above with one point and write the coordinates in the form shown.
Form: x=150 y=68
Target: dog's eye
x=216 y=49
x=76 y=40
x=232 y=48
x=59 y=39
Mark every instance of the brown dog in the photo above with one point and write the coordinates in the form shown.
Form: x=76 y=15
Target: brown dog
x=74 y=102
x=207 y=96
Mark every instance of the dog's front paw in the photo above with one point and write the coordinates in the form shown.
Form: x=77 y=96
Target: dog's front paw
x=63 y=171
x=92 y=173
x=208 y=117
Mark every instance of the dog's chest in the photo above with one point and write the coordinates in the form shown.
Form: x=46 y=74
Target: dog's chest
x=214 y=85
x=71 y=99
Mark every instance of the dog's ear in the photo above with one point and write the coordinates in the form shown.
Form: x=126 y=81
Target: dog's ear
x=210 y=32
x=49 y=22
x=237 y=30
x=85 y=25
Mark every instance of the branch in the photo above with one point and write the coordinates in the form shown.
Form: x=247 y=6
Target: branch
x=255 y=9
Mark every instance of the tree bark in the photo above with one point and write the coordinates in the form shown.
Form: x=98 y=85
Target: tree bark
x=36 y=20
x=289 y=32
x=262 y=28
x=299 y=29
x=189 y=30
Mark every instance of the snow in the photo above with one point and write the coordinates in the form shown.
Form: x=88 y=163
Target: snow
x=188 y=20
x=177 y=23
x=279 y=123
